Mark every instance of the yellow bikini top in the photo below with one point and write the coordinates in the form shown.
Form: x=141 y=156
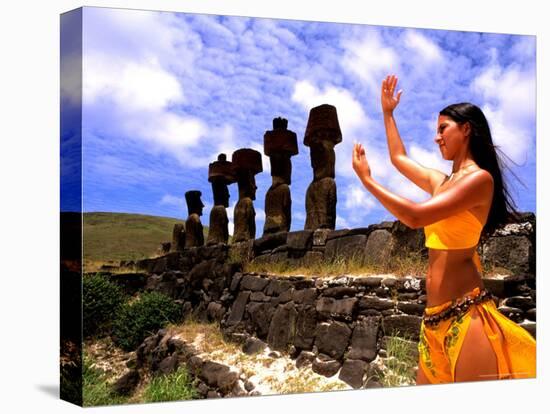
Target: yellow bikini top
x=459 y=231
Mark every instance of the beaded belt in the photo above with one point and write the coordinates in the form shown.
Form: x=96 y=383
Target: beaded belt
x=458 y=308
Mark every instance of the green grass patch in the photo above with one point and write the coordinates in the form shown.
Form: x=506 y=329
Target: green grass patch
x=401 y=361
x=96 y=387
x=172 y=387
x=122 y=236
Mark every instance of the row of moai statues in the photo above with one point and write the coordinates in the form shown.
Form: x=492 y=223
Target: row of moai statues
x=280 y=144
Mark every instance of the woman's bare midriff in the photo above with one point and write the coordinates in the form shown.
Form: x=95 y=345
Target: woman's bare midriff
x=451 y=274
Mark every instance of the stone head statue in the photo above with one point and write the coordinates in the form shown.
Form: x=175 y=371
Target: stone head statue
x=323 y=159
x=279 y=145
x=322 y=125
x=322 y=134
x=221 y=173
x=247 y=163
x=194 y=203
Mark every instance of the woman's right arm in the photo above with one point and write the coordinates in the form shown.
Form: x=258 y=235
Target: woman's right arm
x=426 y=178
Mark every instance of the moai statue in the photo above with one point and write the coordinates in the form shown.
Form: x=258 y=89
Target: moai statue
x=247 y=163
x=178 y=238
x=279 y=145
x=193 y=227
x=220 y=174
x=322 y=134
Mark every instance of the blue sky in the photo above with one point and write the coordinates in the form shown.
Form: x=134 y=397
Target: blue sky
x=165 y=93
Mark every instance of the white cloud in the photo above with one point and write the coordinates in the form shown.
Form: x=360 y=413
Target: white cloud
x=430 y=159
x=354 y=124
x=230 y=216
x=511 y=89
x=341 y=222
x=260 y=214
x=131 y=86
x=131 y=80
x=510 y=95
x=141 y=36
x=401 y=186
x=350 y=112
x=512 y=139
x=266 y=164
x=171 y=200
x=423 y=47
x=359 y=199
x=370 y=60
x=525 y=47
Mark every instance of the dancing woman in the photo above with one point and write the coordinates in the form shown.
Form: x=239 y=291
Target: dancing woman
x=463 y=337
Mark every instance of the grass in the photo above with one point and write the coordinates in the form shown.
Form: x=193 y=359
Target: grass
x=95 y=266
x=104 y=363
x=208 y=335
x=303 y=381
x=121 y=236
x=356 y=265
x=172 y=387
x=96 y=386
x=400 y=362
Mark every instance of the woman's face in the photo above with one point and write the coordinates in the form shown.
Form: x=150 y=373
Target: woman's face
x=451 y=136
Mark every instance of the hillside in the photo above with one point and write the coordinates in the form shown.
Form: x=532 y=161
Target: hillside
x=122 y=236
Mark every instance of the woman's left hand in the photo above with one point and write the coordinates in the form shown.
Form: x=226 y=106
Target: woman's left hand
x=359 y=161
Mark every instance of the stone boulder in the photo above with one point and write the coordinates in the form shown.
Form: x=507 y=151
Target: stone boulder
x=306 y=325
x=514 y=253
x=238 y=308
x=336 y=308
x=253 y=346
x=298 y=242
x=127 y=383
x=402 y=325
x=407 y=240
x=260 y=315
x=218 y=375
x=379 y=247
x=353 y=372
x=365 y=339
x=332 y=338
x=269 y=242
x=324 y=365
x=349 y=247
x=283 y=326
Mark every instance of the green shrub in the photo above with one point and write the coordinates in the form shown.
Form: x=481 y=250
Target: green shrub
x=172 y=387
x=143 y=317
x=101 y=300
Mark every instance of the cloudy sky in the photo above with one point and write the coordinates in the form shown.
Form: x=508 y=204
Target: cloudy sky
x=165 y=93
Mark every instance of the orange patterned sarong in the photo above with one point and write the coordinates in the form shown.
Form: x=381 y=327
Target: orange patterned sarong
x=440 y=342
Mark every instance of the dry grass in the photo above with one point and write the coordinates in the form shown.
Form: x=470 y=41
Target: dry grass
x=93 y=266
x=206 y=336
x=411 y=264
x=303 y=380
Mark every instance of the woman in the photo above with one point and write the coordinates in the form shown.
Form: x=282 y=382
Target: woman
x=463 y=337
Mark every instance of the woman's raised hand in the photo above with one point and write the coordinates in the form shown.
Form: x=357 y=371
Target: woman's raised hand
x=359 y=161
x=389 y=101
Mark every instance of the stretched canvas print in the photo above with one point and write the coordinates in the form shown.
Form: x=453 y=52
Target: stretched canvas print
x=254 y=206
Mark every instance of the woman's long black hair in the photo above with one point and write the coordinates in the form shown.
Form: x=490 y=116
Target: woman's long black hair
x=484 y=152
